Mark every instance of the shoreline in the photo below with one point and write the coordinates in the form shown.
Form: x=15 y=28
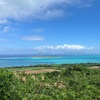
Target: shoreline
x=56 y=65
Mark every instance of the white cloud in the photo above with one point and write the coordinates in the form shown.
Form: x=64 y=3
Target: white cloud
x=3 y=21
x=36 y=9
x=13 y=34
x=3 y=40
x=58 y=49
x=51 y=14
x=39 y=30
x=6 y=28
x=63 y=47
x=33 y=38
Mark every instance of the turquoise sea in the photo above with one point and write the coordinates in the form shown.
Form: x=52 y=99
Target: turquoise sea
x=10 y=61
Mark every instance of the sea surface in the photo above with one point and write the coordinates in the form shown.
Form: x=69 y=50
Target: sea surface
x=13 y=60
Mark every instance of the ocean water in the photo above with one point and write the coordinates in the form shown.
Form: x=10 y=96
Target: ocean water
x=11 y=61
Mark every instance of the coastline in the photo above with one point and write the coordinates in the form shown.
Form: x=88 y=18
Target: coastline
x=54 y=65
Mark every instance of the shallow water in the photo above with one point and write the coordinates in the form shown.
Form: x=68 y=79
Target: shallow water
x=8 y=61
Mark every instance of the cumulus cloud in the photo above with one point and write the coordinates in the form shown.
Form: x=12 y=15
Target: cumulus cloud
x=36 y=9
x=57 y=49
x=33 y=38
x=63 y=47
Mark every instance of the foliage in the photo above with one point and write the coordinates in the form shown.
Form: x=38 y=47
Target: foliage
x=76 y=82
x=7 y=84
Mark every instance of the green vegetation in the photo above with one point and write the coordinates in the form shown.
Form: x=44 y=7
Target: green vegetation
x=73 y=82
x=55 y=66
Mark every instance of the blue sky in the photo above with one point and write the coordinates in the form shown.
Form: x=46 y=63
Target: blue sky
x=49 y=26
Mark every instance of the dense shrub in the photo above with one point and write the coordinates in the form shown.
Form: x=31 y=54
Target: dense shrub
x=73 y=83
x=7 y=80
